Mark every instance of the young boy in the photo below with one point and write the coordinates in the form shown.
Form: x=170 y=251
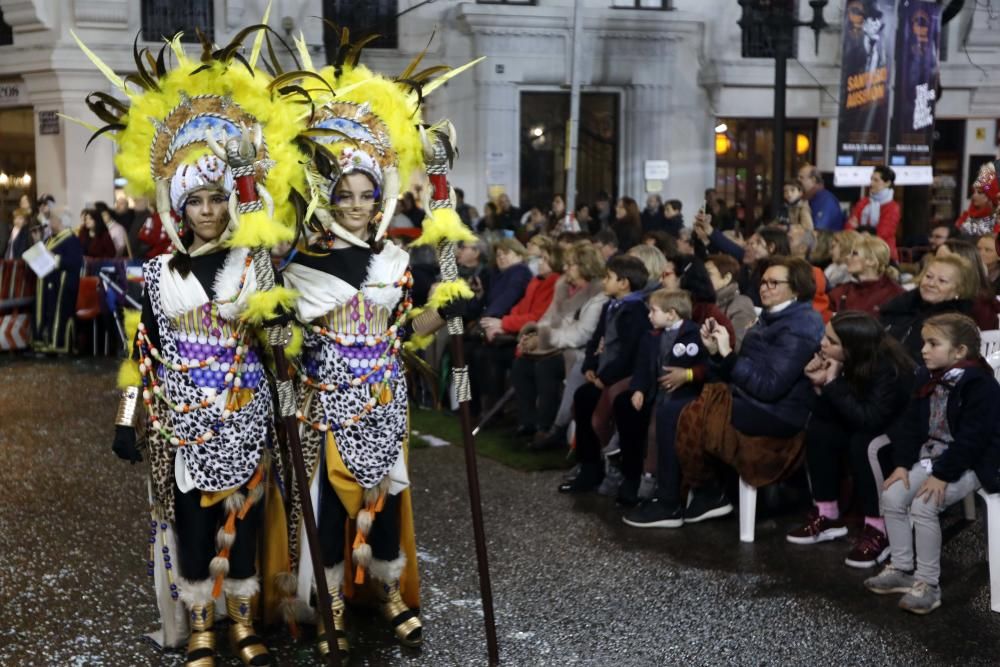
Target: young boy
x=798 y=208
x=669 y=374
x=607 y=365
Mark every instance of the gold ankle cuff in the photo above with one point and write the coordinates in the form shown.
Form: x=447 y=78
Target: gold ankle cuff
x=337 y=607
x=405 y=622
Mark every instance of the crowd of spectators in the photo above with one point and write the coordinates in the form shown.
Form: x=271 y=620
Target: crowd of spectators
x=674 y=359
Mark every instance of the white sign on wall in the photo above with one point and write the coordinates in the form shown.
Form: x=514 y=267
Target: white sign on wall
x=13 y=94
x=657 y=170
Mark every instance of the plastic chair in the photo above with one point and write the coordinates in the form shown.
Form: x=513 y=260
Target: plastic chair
x=88 y=304
x=968 y=503
x=748 y=511
x=992 y=502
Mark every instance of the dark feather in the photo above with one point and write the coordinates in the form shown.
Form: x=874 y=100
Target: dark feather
x=288 y=77
x=239 y=58
x=423 y=75
x=272 y=57
x=206 y=46
x=416 y=59
x=140 y=68
x=353 y=54
x=161 y=62
x=103 y=110
x=112 y=127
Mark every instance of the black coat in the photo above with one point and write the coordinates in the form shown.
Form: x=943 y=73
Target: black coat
x=972 y=419
x=631 y=322
x=873 y=412
x=904 y=317
x=648 y=365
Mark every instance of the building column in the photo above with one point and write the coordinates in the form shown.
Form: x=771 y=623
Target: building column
x=658 y=128
x=499 y=129
x=74 y=176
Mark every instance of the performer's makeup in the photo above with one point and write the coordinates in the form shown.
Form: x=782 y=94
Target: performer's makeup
x=207 y=213
x=355 y=198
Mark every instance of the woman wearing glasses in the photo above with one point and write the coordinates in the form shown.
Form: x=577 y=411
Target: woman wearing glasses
x=767 y=400
x=873 y=286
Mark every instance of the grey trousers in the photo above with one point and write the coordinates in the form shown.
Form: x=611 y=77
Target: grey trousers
x=900 y=506
x=574 y=380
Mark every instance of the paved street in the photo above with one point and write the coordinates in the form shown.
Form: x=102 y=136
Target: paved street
x=573 y=585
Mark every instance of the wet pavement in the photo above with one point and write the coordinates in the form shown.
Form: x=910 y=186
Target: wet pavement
x=572 y=584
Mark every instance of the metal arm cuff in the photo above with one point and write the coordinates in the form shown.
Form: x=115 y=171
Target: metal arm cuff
x=128 y=408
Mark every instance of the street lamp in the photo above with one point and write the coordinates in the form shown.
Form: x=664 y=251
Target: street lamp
x=775 y=22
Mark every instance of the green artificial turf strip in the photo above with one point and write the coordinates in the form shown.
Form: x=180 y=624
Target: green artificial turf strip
x=497 y=443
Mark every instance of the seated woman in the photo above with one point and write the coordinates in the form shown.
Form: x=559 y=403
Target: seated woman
x=722 y=271
x=751 y=423
x=836 y=272
x=504 y=288
x=550 y=349
x=873 y=286
x=492 y=360
x=862 y=378
x=985 y=306
x=948 y=285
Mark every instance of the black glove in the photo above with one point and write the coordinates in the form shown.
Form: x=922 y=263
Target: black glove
x=454 y=308
x=124 y=445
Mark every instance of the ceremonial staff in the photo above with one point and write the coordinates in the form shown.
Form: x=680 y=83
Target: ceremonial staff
x=241 y=154
x=444 y=229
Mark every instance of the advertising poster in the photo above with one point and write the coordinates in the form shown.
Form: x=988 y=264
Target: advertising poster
x=917 y=81
x=866 y=77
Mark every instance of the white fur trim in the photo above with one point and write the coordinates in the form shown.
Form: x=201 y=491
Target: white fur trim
x=365 y=519
x=285 y=582
x=227 y=281
x=219 y=566
x=388 y=571
x=362 y=555
x=241 y=588
x=224 y=540
x=178 y=295
x=319 y=292
x=335 y=577
x=194 y=593
x=295 y=610
x=234 y=502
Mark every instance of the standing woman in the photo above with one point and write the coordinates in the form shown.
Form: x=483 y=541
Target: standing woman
x=628 y=223
x=353 y=302
x=878 y=213
x=94 y=236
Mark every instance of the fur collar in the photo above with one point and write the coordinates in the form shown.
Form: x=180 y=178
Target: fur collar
x=320 y=292
x=181 y=295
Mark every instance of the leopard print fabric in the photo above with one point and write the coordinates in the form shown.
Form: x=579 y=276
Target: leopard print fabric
x=227 y=460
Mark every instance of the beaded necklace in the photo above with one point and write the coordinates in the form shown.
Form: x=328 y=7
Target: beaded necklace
x=152 y=392
x=392 y=347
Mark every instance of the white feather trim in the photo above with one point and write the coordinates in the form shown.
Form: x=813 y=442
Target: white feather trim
x=365 y=520
x=224 y=540
x=388 y=571
x=234 y=502
x=219 y=566
x=194 y=593
x=335 y=577
x=241 y=588
x=362 y=555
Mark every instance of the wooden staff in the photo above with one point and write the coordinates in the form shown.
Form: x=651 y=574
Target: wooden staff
x=437 y=159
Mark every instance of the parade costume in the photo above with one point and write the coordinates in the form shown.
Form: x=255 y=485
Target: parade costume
x=55 y=296
x=353 y=305
x=207 y=399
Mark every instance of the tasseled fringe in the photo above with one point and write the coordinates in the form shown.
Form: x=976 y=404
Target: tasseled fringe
x=236 y=505
x=374 y=499
x=293 y=610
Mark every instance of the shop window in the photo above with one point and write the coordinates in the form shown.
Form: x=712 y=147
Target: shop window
x=361 y=18
x=6 y=34
x=744 y=158
x=544 y=118
x=162 y=19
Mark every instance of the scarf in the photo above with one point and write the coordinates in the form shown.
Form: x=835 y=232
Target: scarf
x=870 y=216
x=947 y=378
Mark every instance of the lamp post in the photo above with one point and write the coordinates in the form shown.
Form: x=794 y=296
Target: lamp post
x=774 y=21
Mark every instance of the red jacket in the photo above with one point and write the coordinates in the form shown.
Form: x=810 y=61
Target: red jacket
x=867 y=296
x=821 y=302
x=888 y=221
x=532 y=305
x=97 y=246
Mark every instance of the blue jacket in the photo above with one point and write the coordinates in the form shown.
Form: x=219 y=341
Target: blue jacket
x=768 y=371
x=826 y=212
x=649 y=361
x=623 y=324
x=505 y=289
x=972 y=419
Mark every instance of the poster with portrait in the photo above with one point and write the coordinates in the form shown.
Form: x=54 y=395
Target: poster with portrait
x=866 y=76
x=917 y=84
